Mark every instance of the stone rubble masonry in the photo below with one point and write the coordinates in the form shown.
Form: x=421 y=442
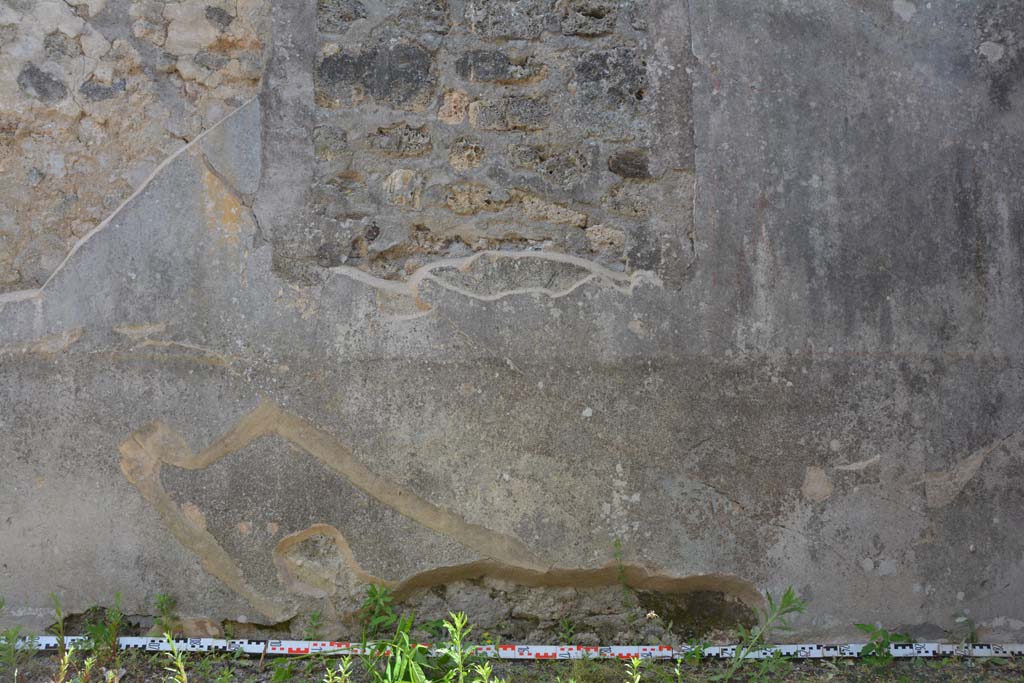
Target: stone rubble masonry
x=466 y=124
x=94 y=95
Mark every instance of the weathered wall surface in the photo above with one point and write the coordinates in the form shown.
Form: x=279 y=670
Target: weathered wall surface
x=475 y=288
x=94 y=94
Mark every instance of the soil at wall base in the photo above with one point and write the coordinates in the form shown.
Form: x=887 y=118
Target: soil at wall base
x=139 y=667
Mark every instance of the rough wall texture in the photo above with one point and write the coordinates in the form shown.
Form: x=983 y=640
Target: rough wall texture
x=475 y=288
x=94 y=94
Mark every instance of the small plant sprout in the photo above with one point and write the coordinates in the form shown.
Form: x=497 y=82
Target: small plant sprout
x=103 y=634
x=313 y=625
x=457 y=650
x=878 y=650
x=63 y=666
x=13 y=656
x=774 y=618
x=566 y=630
x=166 y=608
x=58 y=627
x=284 y=670
x=376 y=611
x=176 y=658
x=694 y=652
x=634 y=670
x=341 y=673
x=482 y=672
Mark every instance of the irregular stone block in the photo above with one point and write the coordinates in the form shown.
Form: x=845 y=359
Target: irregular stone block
x=510 y=113
x=218 y=16
x=565 y=167
x=589 y=18
x=627 y=199
x=40 y=84
x=603 y=239
x=329 y=142
x=191 y=27
x=334 y=16
x=465 y=153
x=59 y=46
x=401 y=140
x=610 y=80
x=495 y=66
x=401 y=76
x=404 y=187
x=453 y=107
x=510 y=19
x=466 y=199
x=96 y=92
x=539 y=209
x=629 y=163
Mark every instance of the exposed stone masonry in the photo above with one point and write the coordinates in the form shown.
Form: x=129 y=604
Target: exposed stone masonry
x=507 y=125
x=94 y=94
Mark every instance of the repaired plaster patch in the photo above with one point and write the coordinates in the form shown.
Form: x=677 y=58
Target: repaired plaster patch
x=816 y=487
x=942 y=488
x=494 y=275
x=319 y=562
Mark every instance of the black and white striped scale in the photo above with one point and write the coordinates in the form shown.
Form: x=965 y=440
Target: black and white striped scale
x=278 y=648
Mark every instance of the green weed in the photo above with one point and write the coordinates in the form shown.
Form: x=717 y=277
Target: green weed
x=376 y=611
x=775 y=618
x=566 y=630
x=103 y=635
x=176 y=659
x=877 y=652
x=166 y=610
x=460 y=654
x=342 y=673
x=12 y=657
x=635 y=670
x=313 y=626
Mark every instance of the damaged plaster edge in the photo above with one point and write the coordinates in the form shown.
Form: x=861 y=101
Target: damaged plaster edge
x=624 y=282
x=942 y=487
x=28 y=294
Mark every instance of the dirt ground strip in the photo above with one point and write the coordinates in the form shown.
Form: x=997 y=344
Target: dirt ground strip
x=149 y=668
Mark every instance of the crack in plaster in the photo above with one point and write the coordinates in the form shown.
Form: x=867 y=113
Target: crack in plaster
x=25 y=294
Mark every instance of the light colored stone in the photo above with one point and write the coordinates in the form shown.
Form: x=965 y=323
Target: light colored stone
x=453 y=107
x=94 y=45
x=404 y=187
x=188 y=30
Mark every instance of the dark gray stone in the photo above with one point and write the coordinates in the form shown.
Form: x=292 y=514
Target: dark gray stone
x=495 y=66
x=565 y=168
x=511 y=19
x=402 y=76
x=589 y=18
x=210 y=60
x=629 y=163
x=219 y=17
x=401 y=140
x=334 y=16
x=41 y=85
x=59 y=46
x=611 y=79
x=97 y=92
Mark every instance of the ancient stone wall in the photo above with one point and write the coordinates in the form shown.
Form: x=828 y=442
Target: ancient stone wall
x=94 y=94
x=507 y=303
